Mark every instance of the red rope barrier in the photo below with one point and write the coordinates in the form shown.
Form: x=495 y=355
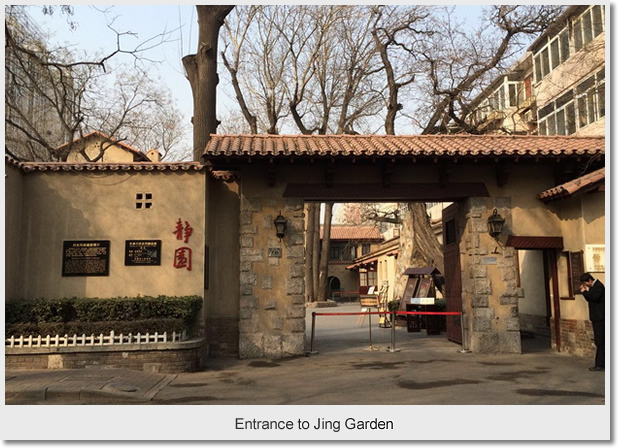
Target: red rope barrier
x=415 y=313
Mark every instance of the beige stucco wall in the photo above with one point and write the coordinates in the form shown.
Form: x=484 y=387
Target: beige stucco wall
x=60 y=206
x=112 y=154
x=13 y=204
x=222 y=299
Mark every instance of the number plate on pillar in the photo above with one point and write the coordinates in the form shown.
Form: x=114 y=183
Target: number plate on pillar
x=274 y=252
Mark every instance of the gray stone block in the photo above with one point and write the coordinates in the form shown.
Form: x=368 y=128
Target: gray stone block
x=480 y=302
x=295 y=286
x=293 y=344
x=251 y=346
x=276 y=322
x=512 y=324
x=249 y=302
x=272 y=346
x=295 y=311
x=481 y=324
x=482 y=286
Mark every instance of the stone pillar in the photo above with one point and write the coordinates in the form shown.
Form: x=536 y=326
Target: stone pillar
x=272 y=301
x=489 y=280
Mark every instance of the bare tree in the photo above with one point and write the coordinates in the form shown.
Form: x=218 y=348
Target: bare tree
x=54 y=95
x=459 y=63
x=201 y=69
x=395 y=31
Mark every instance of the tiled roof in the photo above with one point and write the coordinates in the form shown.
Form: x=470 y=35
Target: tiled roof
x=105 y=137
x=567 y=189
x=353 y=233
x=135 y=166
x=400 y=145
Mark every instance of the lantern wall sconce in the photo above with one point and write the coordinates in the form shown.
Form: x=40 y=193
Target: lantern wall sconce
x=496 y=223
x=280 y=225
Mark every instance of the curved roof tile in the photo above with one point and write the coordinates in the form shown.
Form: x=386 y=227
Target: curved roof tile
x=567 y=189
x=135 y=166
x=391 y=145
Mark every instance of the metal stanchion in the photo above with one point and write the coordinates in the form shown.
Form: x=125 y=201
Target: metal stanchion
x=392 y=348
x=371 y=347
x=463 y=334
x=311 y=351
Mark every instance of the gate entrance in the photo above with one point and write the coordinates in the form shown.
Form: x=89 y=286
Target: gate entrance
x=276 y=175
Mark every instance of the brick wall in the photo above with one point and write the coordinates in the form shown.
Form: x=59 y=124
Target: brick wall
x=222 y=336
x=164 y=358
x=576 y=337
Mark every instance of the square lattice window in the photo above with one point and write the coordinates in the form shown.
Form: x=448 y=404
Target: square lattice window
x=143 y=201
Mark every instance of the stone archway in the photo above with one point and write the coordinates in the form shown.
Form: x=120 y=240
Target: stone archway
x=279 y=173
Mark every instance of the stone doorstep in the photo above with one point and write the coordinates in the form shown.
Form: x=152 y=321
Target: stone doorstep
x=322 y=304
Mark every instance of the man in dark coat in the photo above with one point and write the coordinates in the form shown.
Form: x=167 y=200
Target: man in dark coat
x=594 y=293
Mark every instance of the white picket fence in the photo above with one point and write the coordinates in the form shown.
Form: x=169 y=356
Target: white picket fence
x=100 y=339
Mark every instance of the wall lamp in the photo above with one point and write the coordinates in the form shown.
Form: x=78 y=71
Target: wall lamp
x=496 y=223
x=280 y=225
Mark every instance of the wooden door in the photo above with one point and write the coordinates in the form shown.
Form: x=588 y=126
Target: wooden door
x=452 y=271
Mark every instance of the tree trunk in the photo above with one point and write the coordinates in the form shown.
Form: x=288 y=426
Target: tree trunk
x=201 y=71
x=310 y=234
x=323 y=281
x=418 y=245
x=315 y=261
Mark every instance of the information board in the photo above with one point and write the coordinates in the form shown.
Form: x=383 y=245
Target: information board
x=142 y=253
x=85 y=258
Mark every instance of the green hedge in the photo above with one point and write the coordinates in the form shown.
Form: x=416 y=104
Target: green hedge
x=95 y=315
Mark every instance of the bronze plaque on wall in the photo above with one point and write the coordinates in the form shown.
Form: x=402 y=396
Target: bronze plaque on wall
x=85 y=258
x=142 y=253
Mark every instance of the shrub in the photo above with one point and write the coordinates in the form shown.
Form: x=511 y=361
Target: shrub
x=96 y=315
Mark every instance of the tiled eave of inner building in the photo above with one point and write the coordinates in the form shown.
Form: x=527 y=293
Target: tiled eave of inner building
x=87 y=167
x=248 y=148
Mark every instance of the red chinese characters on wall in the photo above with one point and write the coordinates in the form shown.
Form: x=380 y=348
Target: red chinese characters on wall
x=182 y=258
x=182 y=255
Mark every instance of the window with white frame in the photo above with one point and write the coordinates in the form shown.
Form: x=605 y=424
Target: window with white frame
x=588 y=26
x=554 y=51
x=551 y=55
x=574 y=109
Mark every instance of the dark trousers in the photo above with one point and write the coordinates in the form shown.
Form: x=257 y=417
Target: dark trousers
x=598 y=328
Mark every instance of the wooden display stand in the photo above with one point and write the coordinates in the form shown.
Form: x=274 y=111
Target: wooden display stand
x=418 y=295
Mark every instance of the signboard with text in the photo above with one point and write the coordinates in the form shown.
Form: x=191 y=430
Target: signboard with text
x=85 y=258
x=142 y=253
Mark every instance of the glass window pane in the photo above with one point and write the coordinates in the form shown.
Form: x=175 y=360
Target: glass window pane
x=586 y=85
x=570 y=119
x=546 y=110
x=561 y=101
x=577 y=35
x=551 y=125
x=545 y=62
x=538 y=76
x=601 y=100
x=587 y=25
x=513 y=96
x=543 y=128
x=564 y=46
x=582 y=111
x=560 y=123
x=555 y=54
x=590 y=100
x=597 y=21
